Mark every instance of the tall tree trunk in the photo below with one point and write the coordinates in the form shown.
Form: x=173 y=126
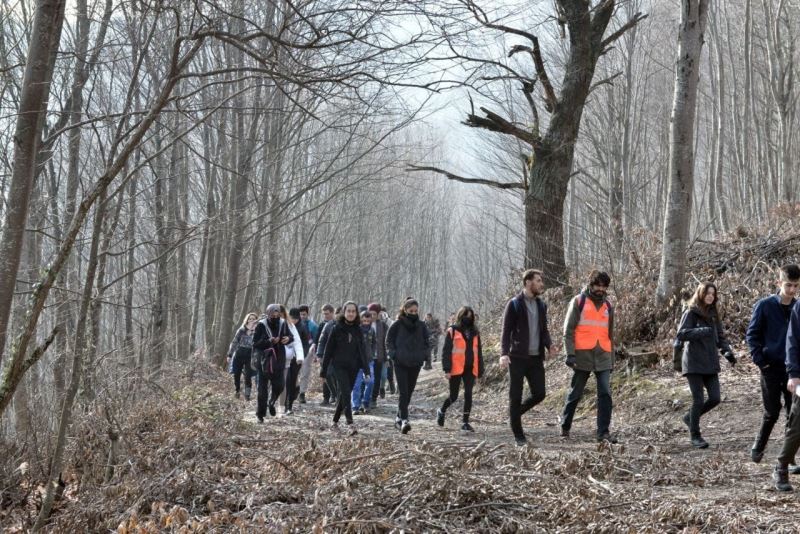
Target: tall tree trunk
x=694 y=14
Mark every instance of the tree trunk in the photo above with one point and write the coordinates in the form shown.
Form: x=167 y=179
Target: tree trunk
x=681 y=158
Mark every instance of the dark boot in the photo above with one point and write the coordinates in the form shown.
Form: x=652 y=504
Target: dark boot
x=699 y=442
x=781 y=477
x=440 y=417
x=757 y=451
x=302 y=398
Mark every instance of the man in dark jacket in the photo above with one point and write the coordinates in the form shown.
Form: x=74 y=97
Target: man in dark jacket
x=325 y=328
x=791 y=442
x=588 y=343
x=524 y=345
x=380 y=327
x=766 y=337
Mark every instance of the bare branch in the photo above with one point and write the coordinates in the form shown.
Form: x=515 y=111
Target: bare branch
x=495 y=123
x=476 y=181
x=637 y=18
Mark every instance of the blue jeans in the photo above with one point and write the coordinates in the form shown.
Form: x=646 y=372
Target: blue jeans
x=358 y=397
x=604 y=404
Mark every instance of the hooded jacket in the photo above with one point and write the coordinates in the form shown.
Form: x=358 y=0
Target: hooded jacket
x=345 y=347
x=408 y=342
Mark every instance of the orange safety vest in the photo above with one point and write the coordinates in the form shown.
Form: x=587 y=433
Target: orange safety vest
x=459 y=354
x=593 y=328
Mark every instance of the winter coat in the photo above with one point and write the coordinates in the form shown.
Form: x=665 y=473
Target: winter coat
x=345 y=348
x=587 y=360
x=325 y=329
x=380 y=327
x=766 y=333
x=702 y=337
x=793 y=343
x=515 y=335
x=470 y=359
x=407 y=342
x=370 y=343
x=294 y=350
x=261 y=339
x=241 y=340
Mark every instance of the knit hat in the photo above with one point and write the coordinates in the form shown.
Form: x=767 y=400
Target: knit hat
x=410 y=301
x=273 y=308
x=374 y=307
x=362 y=308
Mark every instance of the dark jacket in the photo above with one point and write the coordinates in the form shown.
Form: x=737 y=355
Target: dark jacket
x=380 y=339
x=516 y=334
x=261 y=339
x=766 y=333
x=305 y=336
x=793 y=344
x=407 y=343
x=702 y=337
x=324 y=333
x=469 y=357
x=345 y=348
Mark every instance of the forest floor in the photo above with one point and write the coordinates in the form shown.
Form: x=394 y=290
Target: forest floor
x=199 y=461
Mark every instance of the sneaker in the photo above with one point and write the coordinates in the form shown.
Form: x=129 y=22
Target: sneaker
x=261 y=419
x=699 y=442
x=398 y=422
x=392 y=389
x=686 y=420
x=781 y=477
x=756 y=455
x=606 y=436
x=428 y=367
x=466 y=427
x=272 y=410
x=794 y=469
x=520 y=441
x=302 y=398
x=325 y=402
x=405 y=427
x=288 y=411
x=440 y=417
x=335 y=425
x=351 y=429
x=564 y=432
x=247 y=394
x=383 y=393
x=236 y=395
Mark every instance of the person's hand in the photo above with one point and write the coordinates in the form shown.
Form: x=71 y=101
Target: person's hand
x=571 y=361
x=730 y=357
x=504 y=361
x=274 y=340
x=285 y=340
x=447 y=375
x=792 y=385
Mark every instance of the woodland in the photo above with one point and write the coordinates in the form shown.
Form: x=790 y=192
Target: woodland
x=171 y=165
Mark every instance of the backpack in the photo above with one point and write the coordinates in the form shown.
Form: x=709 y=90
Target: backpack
x=264 y=361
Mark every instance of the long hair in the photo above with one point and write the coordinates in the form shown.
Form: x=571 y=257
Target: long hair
x=462 y=312
x=699 y=298
x=410 y=301
x=246 y=317
x=340 y=318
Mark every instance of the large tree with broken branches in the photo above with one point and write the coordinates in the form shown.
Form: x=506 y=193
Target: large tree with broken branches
x=547 y=167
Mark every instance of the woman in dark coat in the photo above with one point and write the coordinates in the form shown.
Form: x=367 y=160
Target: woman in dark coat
x=702 y=337
x=346 y=352
x=462 y=361
x=407 y=346
x=240 y=352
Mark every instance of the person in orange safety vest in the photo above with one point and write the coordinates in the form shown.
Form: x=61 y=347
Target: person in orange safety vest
x=462 y=361
x=588 y=343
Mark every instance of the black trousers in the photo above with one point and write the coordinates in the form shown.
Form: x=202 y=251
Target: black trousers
x=455 y=384
x=270 y=388
x=292 y=388
x=345 y=378
x=529 y=369
x=701 y=404
x=775 y=397
x=406 y=382
x=791 y=440
x=376 y=380
x=240 y=364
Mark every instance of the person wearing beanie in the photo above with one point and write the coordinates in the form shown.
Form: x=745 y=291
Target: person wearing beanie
x=269 y=346
x=362 y=390
x=380 y=326
x=407 y=346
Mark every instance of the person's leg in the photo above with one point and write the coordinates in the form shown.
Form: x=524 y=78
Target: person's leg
x=390 y=377
x=574 y=395
x=236 y=371
x=263 y=396
x=369 y=385
x=604 y=401
x=282 y=397
x=278 y=385
x=292 y=387
x=377 y=381
x=516 y=372
x=350 y=378
x=791 y=441
x=773 y=386
x=355 y=395
x=534 y=374
x=305 y=374
x=711 y=383
x=696 y=386
x=454 y=384
x=469 y=382
x=403 y=394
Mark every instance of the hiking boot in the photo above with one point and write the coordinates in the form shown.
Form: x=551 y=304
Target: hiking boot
x=781 y=477
x=302 y=398
x=564 y=432
x=794 y=469
x=699 y=442
x=756 y=455
x=606 y=436
x=520 y=441
x=247 y=394
x=405 y=427
x=271 y=410
x=686 y=420
x=440 y=417
x=466 y=427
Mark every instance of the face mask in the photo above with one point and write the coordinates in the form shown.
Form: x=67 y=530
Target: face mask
x=466 y=322
x=413 y=317
x=274 y=322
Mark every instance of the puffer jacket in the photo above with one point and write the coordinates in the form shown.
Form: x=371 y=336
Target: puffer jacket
x=407 y=342
x=345 y=348
x=702 y=338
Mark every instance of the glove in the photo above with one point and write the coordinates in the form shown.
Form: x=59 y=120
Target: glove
x=730 y=357
x=571 y=360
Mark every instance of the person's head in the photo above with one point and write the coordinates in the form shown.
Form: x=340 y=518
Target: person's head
x=304 y=312
x=533 y=281
x=465 y=317
x=362 y=308
x=790 y=280
x=349 y=312
x=705 y=296
x=598 y=283
x=274 y=312
x=410 y=309
x=294 y=315
x=250 y=320
x=375 y=309
x=428 y=316
x=327 y=312
x=366 y=318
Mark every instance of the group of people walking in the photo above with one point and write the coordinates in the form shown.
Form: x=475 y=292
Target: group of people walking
x=361 y=349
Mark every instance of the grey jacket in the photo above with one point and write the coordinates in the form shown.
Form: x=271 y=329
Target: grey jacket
x=702 y=338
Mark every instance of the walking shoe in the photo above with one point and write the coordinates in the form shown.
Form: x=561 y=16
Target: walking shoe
x=427 y=367
x=398 y=422
x=236 y=395
x=781 y=477
x=564 y=432
x=351 y=429
x=383 y=393
x=302 y=398
x=325 y=402
x=686 y=420
x=606 y=436
x=272 y=410
x=756 y=455
x=359 y=411
x=261 y=419
x=520 y=441
x=794 y=469
x=466 y=427
x=288 y=411
x=440 y=417
x=392 y=389
x=699 y=442
x=405 y=427
x=247 y=394
x=335 y=425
